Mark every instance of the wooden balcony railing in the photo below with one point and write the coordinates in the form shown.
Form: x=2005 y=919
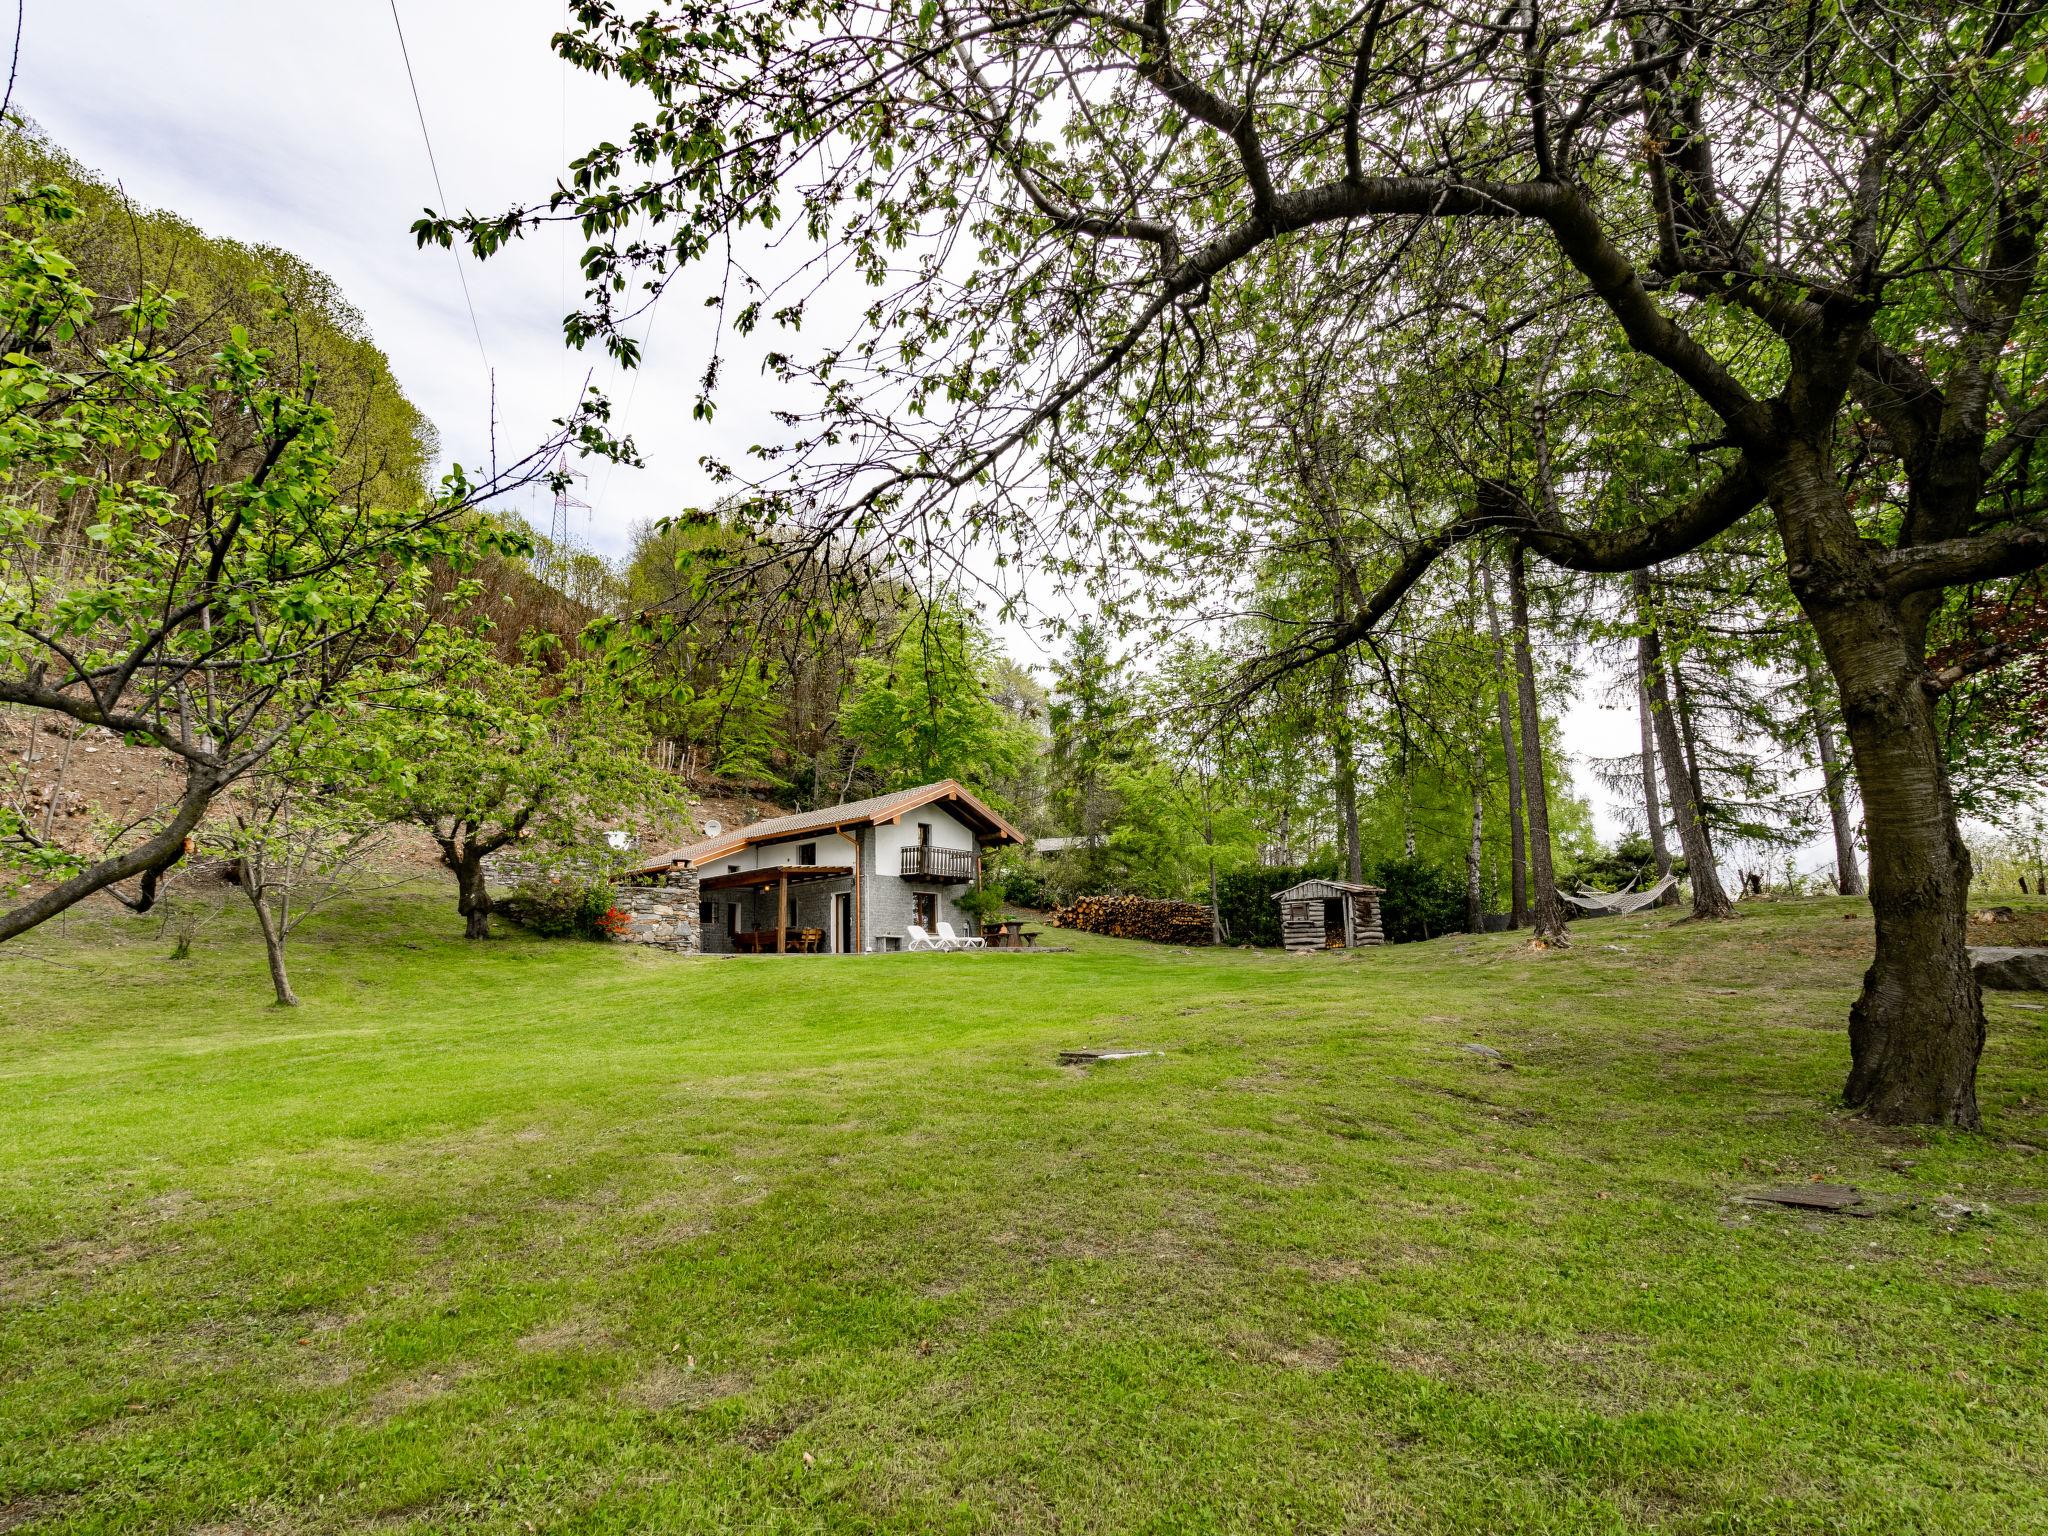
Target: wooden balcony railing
x=946 y=864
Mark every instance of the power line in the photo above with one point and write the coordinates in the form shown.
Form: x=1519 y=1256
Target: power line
x=433 y=165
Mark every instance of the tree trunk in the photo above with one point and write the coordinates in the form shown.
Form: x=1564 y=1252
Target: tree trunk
x=1653 y=803
x=1518 y=863
x=1917 y=1031
x=1547 y=908
x=1209 y=837
x=1848 y=872
x=1709 y=900
x=273 y=938
x=1475 y=905
x=1345 y=751
x=1688 y=736
x=473 y=899
x=1407 y=811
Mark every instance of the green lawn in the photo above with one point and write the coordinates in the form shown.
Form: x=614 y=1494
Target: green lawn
x=565 y=1237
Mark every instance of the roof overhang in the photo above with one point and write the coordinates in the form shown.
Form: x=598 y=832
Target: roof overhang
x=775 y=874
x=980 y=819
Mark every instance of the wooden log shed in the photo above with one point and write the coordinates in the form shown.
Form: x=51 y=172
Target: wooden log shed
x=1329 y=914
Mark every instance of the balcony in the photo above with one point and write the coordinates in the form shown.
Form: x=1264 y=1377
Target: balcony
x=940 y=865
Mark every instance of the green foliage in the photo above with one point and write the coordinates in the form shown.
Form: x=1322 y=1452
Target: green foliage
x=125 y=254
x=1029 y=882
x=988 y=902
x=483 y=754
x=1419 y=900
x=927 y=711
x=192 y=552
x=560 y=909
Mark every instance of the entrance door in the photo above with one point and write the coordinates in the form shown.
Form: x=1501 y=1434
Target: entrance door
x=843 y=942
x=1333 y=925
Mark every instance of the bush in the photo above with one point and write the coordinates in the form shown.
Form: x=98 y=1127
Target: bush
x=1034 y=887
x=1419 y=900
x=984 y=905
x=563 y=909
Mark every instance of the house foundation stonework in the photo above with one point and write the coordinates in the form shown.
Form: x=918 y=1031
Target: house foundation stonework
x=666 y=916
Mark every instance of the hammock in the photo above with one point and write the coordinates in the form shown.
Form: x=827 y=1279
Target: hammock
x=1618 y=903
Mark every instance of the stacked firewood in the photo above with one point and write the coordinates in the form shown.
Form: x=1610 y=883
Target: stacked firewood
x=1137 y=917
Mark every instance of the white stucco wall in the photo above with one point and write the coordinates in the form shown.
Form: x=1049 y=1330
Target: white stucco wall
x=892 y=839
x=832 y=849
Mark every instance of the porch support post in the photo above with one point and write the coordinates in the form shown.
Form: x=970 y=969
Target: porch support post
x=860 y=934
x=782 y=916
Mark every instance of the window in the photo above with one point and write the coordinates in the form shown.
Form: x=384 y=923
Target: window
x=707 y=910
x=927 y=910
x=924 y=834
x=807 y=853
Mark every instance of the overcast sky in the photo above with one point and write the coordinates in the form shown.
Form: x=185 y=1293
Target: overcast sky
x=291 y=124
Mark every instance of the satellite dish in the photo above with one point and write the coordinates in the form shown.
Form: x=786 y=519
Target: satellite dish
x=713 y=828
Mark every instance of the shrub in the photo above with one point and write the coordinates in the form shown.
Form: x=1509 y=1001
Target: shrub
x=1418 y=900
x=613 y=924
x=1036 y=887
x=563 y=909
x=985 y=904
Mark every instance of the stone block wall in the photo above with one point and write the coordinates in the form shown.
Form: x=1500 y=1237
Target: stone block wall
x=662 y=915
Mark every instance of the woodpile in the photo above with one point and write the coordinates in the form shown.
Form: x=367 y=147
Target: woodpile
x=1138 y=917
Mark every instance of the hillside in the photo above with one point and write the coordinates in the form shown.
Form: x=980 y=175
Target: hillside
x=75 y=783
x=584 y=1238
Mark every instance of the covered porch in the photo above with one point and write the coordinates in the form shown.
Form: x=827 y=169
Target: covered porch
x=785 y=909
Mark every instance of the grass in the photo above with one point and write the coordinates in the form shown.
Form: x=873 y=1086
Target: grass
x=578 y=1238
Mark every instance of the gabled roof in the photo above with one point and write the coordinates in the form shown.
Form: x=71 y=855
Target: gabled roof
x=876 y=810
x=1325 y=889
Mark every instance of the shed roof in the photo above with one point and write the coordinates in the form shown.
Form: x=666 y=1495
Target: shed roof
x=987 y=826
x=1326 y=889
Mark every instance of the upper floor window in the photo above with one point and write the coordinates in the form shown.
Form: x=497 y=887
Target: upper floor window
x=807 y=853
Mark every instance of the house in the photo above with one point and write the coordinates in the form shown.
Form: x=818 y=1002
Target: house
x=1329 y=914
x=1056 y=845
x=858 y=874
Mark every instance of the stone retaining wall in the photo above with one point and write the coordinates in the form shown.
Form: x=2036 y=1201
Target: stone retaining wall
x=662 y=915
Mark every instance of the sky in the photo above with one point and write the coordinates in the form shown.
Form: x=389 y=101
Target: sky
x=293 y=124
